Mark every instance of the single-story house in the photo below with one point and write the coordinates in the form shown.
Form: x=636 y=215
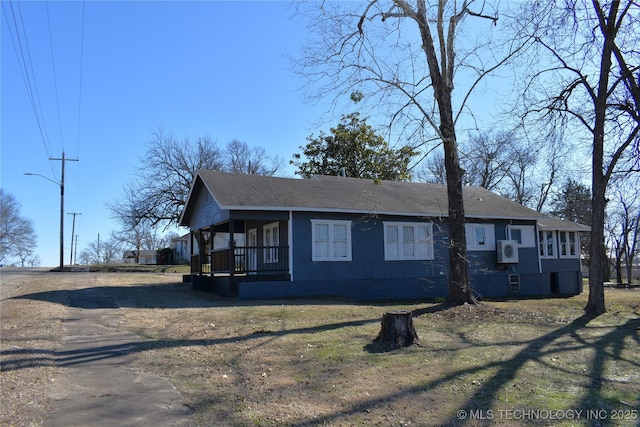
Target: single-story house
x=144 y=257
x=367 y=239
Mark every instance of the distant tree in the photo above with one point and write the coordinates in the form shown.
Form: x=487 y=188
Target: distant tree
x=623 y=224
x=141 y=236
x=354 y=149
x=34 y=261
x=486 y=158
x=159 y=191
x=240 y=158
x=573 y=203
x=502 y=162
x=105 y=251
x=17 y=236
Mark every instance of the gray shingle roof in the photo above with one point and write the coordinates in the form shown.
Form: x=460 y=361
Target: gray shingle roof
x=339 y=194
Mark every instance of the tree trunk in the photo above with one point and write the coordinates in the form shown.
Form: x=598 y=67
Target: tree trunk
x=459 y=282
x=397 y=330
x=441 y=74
x=595 y=305
x=599 y=179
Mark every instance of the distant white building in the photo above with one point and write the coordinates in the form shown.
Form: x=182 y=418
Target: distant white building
x=182 y=249
x=145 y=257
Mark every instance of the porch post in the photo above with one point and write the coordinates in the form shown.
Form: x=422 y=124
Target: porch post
x=290 y=243
x=211 y=237
x=232 y=250
x=201 y=250
x=191 y=251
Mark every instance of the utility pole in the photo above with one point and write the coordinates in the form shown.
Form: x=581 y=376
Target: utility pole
x=73 y=230
x=75 y=252
x=61 y=184
x=63 y=159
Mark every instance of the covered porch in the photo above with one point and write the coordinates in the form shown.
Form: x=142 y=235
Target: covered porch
x=240 y=250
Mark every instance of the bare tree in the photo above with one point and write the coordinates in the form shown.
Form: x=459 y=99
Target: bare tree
x=504 y=162
x=486 y=158
x=240 y=158
x=403 y=56
x=167 y=170
x=105 y=251
x=17 y=236
x=623 y=224
x=140 y=236
x=589 y=83
x=158 y=192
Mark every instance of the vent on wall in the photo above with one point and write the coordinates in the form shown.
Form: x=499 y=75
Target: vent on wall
x=514 y=283
x=507 y=251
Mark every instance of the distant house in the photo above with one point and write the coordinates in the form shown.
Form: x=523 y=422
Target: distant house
x=181 y=249
x=265 y=237
x=145 y=257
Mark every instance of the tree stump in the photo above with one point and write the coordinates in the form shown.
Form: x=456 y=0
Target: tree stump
x=397 y=330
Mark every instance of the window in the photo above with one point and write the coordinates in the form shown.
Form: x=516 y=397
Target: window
x=547 y=243
x=569 y=247
x=480 y=237
x=408 y=241
x=523 y=234
x=331 y=240
x=271 y=236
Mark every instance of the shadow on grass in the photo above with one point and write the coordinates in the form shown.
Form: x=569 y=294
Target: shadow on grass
x=178 y=296
x=20 y=358
x=605 y=348
x=139 y=296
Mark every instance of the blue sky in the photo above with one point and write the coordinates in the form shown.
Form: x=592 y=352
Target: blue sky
x=193 y=68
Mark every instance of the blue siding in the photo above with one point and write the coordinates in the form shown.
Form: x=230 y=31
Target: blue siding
x=369 y=276
x=206 y=211
x=562 y=276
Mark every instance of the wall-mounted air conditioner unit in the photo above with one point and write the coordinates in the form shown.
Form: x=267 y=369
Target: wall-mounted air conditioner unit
x=507 y=251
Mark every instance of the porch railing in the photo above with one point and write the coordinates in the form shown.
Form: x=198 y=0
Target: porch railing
x=200 y=265
x=251 y=259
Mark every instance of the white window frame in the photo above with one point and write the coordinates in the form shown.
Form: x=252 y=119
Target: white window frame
x=270 y=256
x=331 y=224
x=426 y=253
x=567 y=244
x=527 y=235
x=544 y=239
x=489 y=233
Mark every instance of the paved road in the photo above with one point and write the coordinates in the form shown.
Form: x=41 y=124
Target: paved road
x=11 y=278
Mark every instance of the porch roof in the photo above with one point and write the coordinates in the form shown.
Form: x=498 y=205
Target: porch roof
x=351 y=195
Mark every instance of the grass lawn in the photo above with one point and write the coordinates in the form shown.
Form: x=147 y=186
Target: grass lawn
x=311 y=362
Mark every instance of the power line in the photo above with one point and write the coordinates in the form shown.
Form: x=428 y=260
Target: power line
x=79 y=181
x=80 y=79
x=29 y=80
x=55 y=79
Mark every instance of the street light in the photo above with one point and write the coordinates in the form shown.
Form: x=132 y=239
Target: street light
x=61 y=184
